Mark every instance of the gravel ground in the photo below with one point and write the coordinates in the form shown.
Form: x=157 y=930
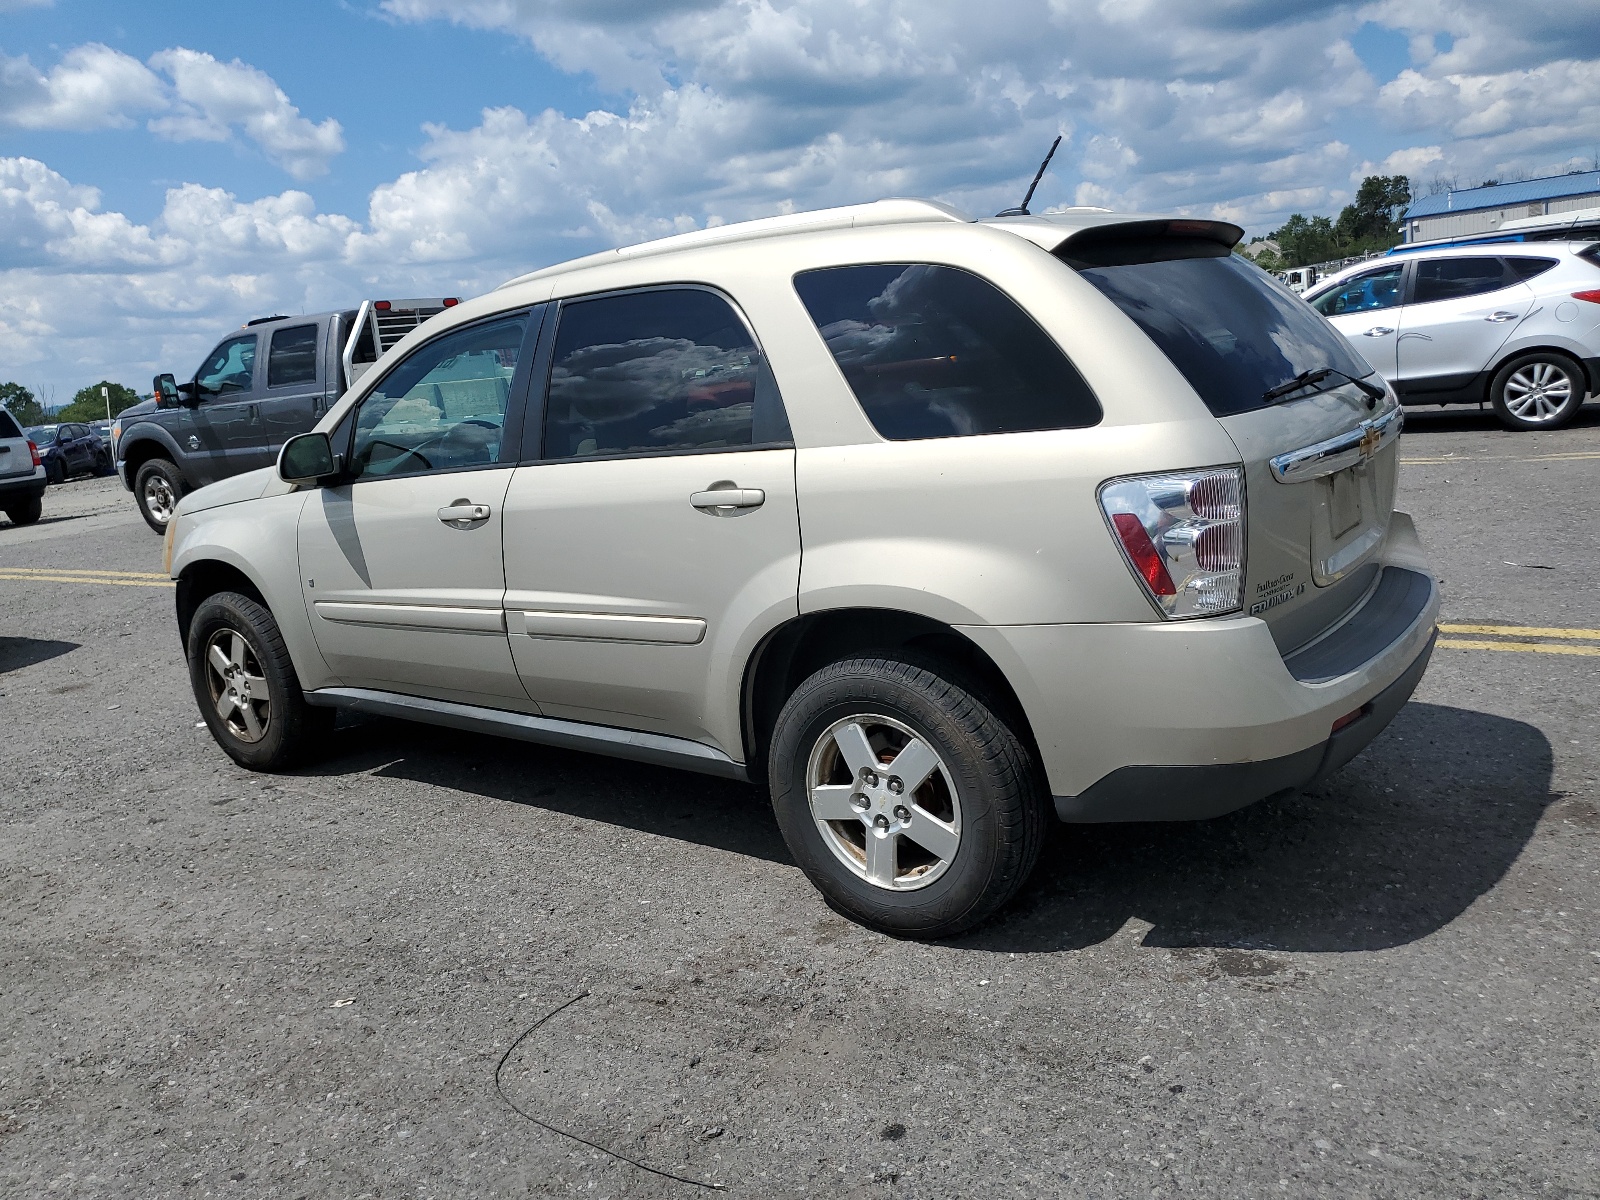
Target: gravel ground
x=218 y=983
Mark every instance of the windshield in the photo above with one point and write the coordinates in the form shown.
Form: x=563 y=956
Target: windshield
x=1233 y=331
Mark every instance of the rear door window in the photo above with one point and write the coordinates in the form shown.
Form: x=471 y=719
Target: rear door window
x=667 y=370
x=1365 y=293
x=933 y=351
x=8 y=426
x=292 y=357
x=1231 y=329
x=1458 y=278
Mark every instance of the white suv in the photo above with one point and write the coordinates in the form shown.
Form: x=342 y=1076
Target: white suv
x=937 y=528
x=1515 y=325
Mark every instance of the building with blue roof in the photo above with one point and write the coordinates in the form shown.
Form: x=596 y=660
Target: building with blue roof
x=1466 y=211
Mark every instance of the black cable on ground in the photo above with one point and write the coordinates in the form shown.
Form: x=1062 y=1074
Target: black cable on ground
x=512 y=1104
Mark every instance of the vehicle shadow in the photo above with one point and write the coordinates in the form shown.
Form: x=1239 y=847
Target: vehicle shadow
x=1393 y=848
x=19 y=652
x=721 y=813
x=1462 y=418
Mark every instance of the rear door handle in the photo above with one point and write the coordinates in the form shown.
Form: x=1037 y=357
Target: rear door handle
x=1500 y=316
x=463 y=513
x=728 y=497
x=1377 y=331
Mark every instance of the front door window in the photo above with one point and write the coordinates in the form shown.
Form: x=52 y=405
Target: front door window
x=231 y=368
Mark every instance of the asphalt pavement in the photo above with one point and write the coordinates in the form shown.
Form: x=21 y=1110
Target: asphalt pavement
x=441 y=965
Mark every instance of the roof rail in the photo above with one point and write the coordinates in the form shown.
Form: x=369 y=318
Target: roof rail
x=853 y=216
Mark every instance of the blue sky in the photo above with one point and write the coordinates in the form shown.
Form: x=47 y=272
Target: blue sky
x=169 y=170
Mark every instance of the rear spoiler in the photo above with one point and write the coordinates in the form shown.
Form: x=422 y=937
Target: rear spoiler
x=1087 y=237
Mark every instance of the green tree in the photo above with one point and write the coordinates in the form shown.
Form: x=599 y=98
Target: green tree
x=1306 y=240
x=1373 y=221
x=89 y=405
x=22 y=404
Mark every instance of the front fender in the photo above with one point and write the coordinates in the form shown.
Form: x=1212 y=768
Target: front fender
x=260 y=540
x=135 y=444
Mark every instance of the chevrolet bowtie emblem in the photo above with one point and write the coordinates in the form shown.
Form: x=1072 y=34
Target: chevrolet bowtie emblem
x=1370 y=441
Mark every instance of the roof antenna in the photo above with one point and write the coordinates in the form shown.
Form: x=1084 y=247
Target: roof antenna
x=1023 y=210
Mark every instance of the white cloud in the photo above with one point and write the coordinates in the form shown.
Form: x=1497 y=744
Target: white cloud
x=96 y=87
x=211 y=97
x=92 y=87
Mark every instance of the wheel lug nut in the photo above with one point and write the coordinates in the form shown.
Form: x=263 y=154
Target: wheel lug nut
x=896 y=784
x=881 y=824
x=859 y=802
x=902 y=813
x=869 y=778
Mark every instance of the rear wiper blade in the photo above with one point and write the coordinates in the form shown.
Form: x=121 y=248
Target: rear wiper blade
x=1305 y=379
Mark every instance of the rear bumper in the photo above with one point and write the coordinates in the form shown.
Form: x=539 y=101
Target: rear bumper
x=1193 y=793
x=20 y=486
x=1184 y=720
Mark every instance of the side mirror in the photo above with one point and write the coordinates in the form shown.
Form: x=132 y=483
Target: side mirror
x=166 y=391
x=306 y=458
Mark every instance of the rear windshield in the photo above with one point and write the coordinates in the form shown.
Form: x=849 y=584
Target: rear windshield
x=8 y=426
x=1232 y=330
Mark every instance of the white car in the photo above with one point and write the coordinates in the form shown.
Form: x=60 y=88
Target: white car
x=1515 y=325
x=938 y=528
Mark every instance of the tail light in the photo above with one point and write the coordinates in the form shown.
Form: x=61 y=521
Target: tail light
x=451 y=301
x=34 y=450
x=1183 y=536
x=1592 y=296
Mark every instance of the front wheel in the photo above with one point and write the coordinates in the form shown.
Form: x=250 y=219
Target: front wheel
x=1538 y=391
x=157 y=487
x=909 y=803
x=246 y=687
x=55 y=471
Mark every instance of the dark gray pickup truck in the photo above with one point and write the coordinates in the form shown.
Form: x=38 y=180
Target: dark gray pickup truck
x=260 y=385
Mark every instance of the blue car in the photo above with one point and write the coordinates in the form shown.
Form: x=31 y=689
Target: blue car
x=71 y=449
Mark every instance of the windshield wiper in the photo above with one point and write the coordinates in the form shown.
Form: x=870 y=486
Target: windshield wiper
x=1305 y=379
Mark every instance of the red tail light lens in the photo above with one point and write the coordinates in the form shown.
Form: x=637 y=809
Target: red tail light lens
x=34 y=450
x=381 y=305
x=1183 y=536
x=1592 y=295
x=1142 y=553
x=451 y=301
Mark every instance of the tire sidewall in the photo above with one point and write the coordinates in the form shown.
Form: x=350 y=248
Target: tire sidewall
x=1576 y=376
x=816 y=706
x=228 y=610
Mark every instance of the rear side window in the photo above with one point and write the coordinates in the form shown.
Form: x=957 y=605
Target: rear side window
x=935 y=351
x=1458 y=278
x=1526 y=268
x=8 y=425
x=293 y=356
x=1232 y=330
x=660 y=371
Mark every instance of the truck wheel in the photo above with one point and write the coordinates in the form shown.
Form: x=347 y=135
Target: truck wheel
x=158 y=487
x=246 y=686
x=26 y=512
x=1541 y=390
x=912 y=807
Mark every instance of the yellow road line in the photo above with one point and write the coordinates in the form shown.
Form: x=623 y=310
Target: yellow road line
x=1525 y=647
x=1570 y=456
x=1524 y=631
x=77 y=571
x=35 y=577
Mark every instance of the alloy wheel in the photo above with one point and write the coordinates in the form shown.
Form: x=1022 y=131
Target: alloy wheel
x=884 y=802
x=1538 y=392
x=237 y=685
x=159 y=499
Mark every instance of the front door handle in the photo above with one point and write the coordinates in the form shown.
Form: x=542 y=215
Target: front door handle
x=463 y=513
x=1502 y=315
x=1377 y=331
x=727 y=496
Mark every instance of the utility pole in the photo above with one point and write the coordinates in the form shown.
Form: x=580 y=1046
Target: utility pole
x=105 y=394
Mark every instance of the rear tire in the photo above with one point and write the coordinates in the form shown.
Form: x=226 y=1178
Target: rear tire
x=55 y=471
x=926 y=856
x=26 y=512
x=157 y=487
x=247 y=689
x=1542 y=390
